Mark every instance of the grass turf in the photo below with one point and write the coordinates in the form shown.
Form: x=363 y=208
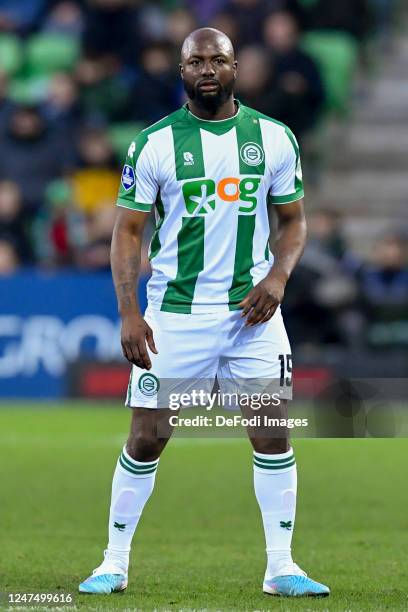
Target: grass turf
x=200 y=543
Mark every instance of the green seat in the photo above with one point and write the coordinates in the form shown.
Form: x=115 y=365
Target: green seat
x=49 y=53
x=29 y=90
x=336 y=55
x=122 y=134
x=10 y=53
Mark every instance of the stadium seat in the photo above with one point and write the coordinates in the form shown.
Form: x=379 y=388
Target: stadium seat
x=121 y=135
x=48 y=53
x=29 y=90
x=336 y=54
x=10 y=54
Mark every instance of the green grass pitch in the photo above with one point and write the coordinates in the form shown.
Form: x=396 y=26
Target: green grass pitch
x=200 y=542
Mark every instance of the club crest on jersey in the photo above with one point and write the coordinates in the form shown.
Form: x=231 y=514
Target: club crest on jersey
x=128 y=177
x=188 y=158
x=251 y=154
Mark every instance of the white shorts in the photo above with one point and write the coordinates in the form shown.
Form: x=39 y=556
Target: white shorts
x=193 y=349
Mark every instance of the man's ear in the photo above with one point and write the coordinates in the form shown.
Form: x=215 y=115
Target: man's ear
x=181 y=70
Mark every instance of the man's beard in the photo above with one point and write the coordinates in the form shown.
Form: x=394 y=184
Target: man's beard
x=210 y=103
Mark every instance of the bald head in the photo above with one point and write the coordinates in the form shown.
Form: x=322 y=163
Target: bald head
x=208 y=69
x=204 y=38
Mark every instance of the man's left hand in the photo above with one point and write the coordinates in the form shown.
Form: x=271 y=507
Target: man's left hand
x=262 y=301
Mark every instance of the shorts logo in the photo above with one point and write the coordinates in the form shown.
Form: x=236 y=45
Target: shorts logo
x=149 y=384
x=128 y=177
x=251 y=154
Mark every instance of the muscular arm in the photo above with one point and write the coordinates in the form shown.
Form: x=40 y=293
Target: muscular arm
x=262 y=301
x=125 y=263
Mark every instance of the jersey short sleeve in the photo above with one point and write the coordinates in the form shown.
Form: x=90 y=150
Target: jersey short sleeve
x=138 y=183
x=287 y=183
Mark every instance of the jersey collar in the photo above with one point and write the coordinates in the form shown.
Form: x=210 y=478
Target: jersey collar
x=216 y=124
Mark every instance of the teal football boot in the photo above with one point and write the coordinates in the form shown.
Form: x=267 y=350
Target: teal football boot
x=104 y=581
x=297 y=584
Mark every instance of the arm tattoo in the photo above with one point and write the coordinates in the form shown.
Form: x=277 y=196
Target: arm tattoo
x=125 y=302
x=125 y=288
x=126 y=280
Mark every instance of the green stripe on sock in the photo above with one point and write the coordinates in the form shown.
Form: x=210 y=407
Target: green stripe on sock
x=133 y=471
x=147 y=464
x=179 y=294
x=242 y=279
x=275 y=461
x=275 y=467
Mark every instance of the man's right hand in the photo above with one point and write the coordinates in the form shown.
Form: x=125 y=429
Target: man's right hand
x=134 y=335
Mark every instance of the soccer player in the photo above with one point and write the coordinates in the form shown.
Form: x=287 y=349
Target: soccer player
x=209 y=170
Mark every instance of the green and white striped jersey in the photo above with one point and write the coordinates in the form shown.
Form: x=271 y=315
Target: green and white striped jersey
x=210 y=183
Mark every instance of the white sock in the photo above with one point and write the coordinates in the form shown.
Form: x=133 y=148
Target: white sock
x=132 y=485
x=275 y=483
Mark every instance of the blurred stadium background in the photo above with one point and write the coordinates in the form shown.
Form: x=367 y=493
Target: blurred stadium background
x=78 y=79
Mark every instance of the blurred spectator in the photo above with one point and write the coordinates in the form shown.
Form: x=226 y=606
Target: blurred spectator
x=352 y=16
x=64 y=17
x=13 y=224
x=254 y=80
x=59 y=228
x=63 y=108
x=95 y=255
x=321 y=302
x=6 y=104
x=225 y=22
x=383 y=15
x=9 y=262
x=326 y=236
x=296 y=80
x=96 y=180
x=155 y=93
x=104 y=90
x=180 y=22
x=111 y=27
x=32 y=154
x=205 y=11
x=249 y=16
x=384 y=286
x=21 y=16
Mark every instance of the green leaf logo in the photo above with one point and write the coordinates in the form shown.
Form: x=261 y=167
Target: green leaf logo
x=286 y=525
x=119 y=526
